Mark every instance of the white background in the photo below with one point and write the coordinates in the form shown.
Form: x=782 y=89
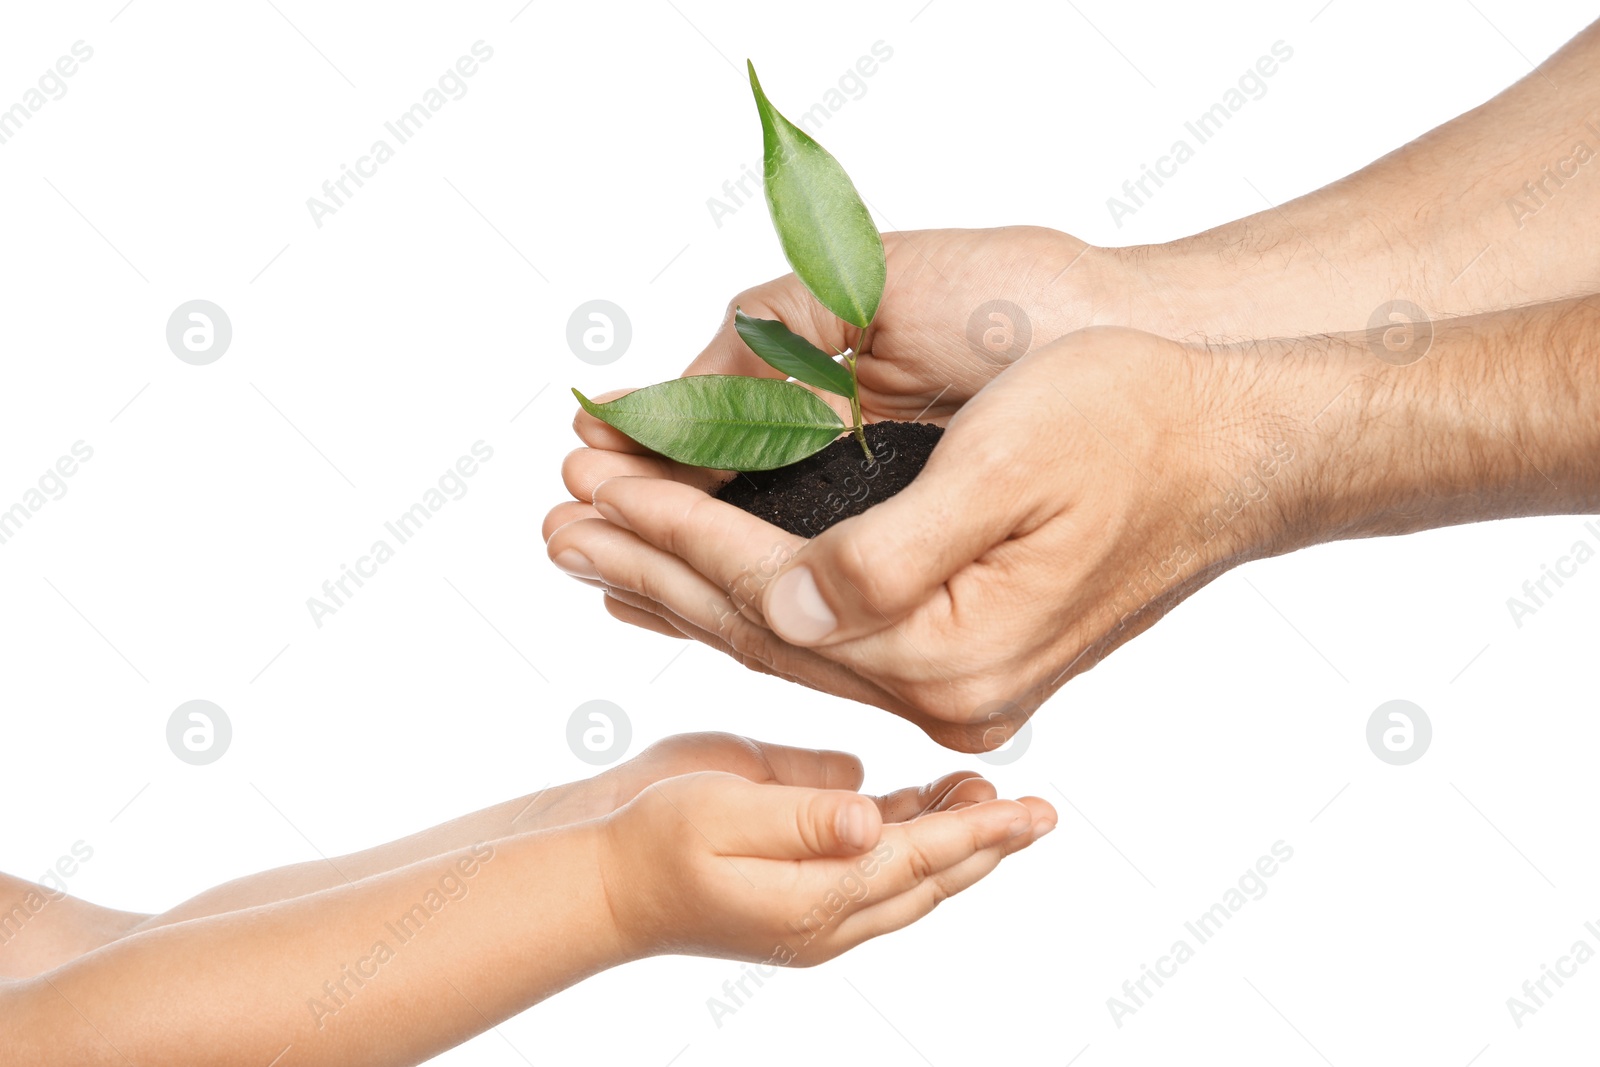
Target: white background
x=425 y=314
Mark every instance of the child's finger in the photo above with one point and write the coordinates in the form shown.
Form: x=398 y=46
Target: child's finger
x=893 y=913
x=908 y=803
x=812 y=768
x=901 y=911
x=742 y=818
x=969 y=790
x=1044 y=815
x=922 y=848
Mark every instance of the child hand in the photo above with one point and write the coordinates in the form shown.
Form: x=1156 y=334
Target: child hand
x=714 y=864
x=757 y=761
x=766 y=764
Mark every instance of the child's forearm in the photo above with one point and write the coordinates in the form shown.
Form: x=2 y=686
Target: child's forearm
x=554 y=806
x=388 y=970
x=42 y=927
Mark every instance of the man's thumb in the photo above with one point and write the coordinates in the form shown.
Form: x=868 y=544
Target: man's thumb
x=872 y=570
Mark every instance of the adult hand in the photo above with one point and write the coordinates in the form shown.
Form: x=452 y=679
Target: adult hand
x=1097 y=483
x=1071 y=502
x=959 y=307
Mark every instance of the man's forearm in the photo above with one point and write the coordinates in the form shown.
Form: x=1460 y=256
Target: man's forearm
x=1500 y=419
x=1494 y=209
x=388 y=970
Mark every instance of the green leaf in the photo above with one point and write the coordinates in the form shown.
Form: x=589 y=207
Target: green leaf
x=723 y=421
x=787 y=351
x=827 y=234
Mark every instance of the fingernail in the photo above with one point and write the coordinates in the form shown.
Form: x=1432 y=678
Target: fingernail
x=796 y=610
x=576 y=564
x=610 y=513
x=852 y=826
x=1042 y=827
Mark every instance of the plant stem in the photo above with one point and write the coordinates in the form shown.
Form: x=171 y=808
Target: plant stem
x=855 y=392
x=858 y=426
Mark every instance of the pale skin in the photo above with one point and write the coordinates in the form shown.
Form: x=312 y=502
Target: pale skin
x=1085 y=489
x=705 y=844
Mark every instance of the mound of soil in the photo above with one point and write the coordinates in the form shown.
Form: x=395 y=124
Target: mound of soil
x=806 y=498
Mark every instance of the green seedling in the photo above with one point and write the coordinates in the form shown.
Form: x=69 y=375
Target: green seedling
x=731 y=422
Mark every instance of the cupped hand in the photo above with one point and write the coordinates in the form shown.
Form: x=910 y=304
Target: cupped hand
x=715 y=864
x=959 y=307
x=768 y=764
x=755 y=761
x=1071 y=502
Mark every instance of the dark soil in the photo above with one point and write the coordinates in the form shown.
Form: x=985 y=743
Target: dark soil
x=806 y=498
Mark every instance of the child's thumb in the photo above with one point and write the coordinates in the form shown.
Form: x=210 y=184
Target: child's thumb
x=789 y=822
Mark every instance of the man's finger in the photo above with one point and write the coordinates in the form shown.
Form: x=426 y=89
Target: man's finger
x=645 y=620
x=784 y=299
x=563 y=513
x=585 y=468
x=868 y=572
x=735 y=550
x=701 y=609
x=596 y=434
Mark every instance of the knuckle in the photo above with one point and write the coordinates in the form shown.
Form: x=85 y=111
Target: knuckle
x=640 y=580
x=690 y=524
x=919 y=863
x=752 y=301
x=806 y=823
x=751 y=645
x=762 y=300
x=862 y=564
x=1000 y=451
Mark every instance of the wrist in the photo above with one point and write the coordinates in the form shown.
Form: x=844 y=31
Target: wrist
x=608 y=895
x=624 y=884
x=1173 y=290
x=1297 y=269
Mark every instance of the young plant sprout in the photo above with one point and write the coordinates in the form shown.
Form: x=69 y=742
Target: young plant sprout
x=730 y=422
